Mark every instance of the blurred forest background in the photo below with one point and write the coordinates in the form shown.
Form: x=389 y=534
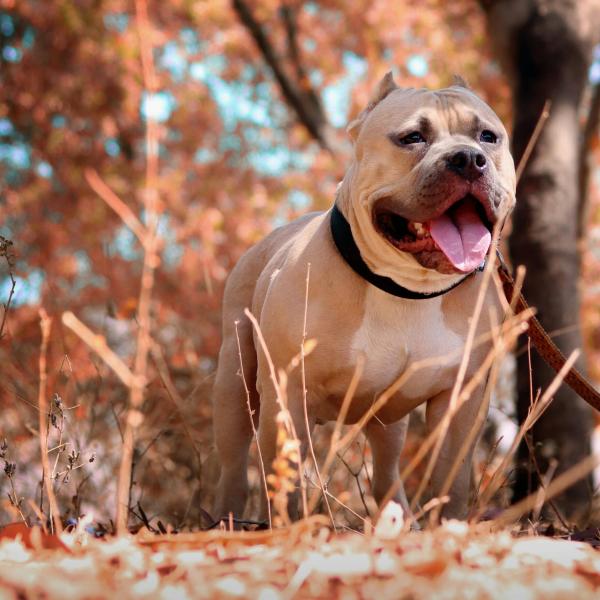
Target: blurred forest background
x=246 y=104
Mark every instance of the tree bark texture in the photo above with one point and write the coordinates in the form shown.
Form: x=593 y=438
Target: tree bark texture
x=546 y=48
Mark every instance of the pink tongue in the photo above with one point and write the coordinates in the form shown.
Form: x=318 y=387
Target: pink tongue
x=461 y=236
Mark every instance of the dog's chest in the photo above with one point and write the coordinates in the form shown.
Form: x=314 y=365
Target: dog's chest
x=395 y=333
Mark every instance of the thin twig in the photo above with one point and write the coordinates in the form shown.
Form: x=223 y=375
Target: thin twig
x=533 y=139
x=356 y=475
x=305 y=405
x=511 y=328
x=5 y=251
x=490 y=268
x=558 y=485
x=281 y=399
x=45 y=325
x=177 y=400
x=544 y=480
x=486 y=465
x=254 y=432
x=535 y=413
x=471 y=436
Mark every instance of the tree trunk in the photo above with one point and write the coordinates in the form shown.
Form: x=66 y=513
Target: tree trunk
x=546 y=48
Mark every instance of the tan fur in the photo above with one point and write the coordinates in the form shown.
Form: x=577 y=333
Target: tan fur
x=348 y=316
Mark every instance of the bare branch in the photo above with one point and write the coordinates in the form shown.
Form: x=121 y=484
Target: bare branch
x=127 y=215
x=144 y=317
x=288 y=16
x=98 y=344
x=309 y=113
x=5 y=251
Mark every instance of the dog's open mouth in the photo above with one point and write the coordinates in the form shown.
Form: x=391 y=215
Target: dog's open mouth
x=456 y=241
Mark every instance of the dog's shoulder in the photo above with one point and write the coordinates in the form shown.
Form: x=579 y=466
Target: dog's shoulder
x=260 y=258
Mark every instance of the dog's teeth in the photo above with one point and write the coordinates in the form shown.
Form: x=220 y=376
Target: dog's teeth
x=419 y=229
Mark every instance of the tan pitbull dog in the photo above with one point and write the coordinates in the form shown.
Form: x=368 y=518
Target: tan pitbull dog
x=430 y=176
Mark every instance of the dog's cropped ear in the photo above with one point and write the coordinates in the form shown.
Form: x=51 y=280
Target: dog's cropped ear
x=459 y=81
x=385 y=87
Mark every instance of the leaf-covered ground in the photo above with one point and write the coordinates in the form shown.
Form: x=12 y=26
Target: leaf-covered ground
x=307 y=560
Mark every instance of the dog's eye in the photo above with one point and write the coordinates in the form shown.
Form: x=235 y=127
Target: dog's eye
x=414 y=137
x=489 y=137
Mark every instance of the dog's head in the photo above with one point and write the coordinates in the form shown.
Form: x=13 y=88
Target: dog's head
x=432 y=174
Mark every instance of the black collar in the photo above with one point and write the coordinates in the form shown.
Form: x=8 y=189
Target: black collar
x=342 y=236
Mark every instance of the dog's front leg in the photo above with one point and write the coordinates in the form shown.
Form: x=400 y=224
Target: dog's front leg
x=267 y=438
x=386 y=443
x=458 y=434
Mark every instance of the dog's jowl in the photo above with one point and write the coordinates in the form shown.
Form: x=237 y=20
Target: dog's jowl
x=395 y=269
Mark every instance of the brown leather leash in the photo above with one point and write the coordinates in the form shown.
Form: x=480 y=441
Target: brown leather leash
x=543 y=343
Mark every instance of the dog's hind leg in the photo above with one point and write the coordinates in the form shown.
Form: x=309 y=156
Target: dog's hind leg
x=231 y=417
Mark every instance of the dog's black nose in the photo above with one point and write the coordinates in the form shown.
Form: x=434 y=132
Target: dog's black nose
x=468 y=163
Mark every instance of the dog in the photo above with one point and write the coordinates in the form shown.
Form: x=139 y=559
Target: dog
x=394 y=276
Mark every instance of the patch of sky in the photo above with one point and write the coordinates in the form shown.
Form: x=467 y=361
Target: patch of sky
x=173 y=251
x=253 y=105
x=236 y=103
x=251 y=135
x=262 y=90
x=58 y=121
x=336 y=97
x=190 y=40
x=172 y=59
x=298 y=199
x=111 y=147
x=116 y=21
x=417 y=65
x=125 y=244
x=316 y=77
x=204 y=156
x=28 y=289
x=229 y=142
x=174 y=135
x=11 y=54
x=276 y=160
x=6 y=127
x=16 y=155
x=309 y=45
x=157 y=106
x=82 y=260
x=44 y=169
x=252 y=111
x=272 y=162
x=311 y=8
x=594 y=73
x=7 y=26
x=248 y=73
x=28 y=38
x=85 y=276
x=209 y=67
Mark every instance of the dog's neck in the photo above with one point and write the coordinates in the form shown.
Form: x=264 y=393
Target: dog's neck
x=379 y=256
